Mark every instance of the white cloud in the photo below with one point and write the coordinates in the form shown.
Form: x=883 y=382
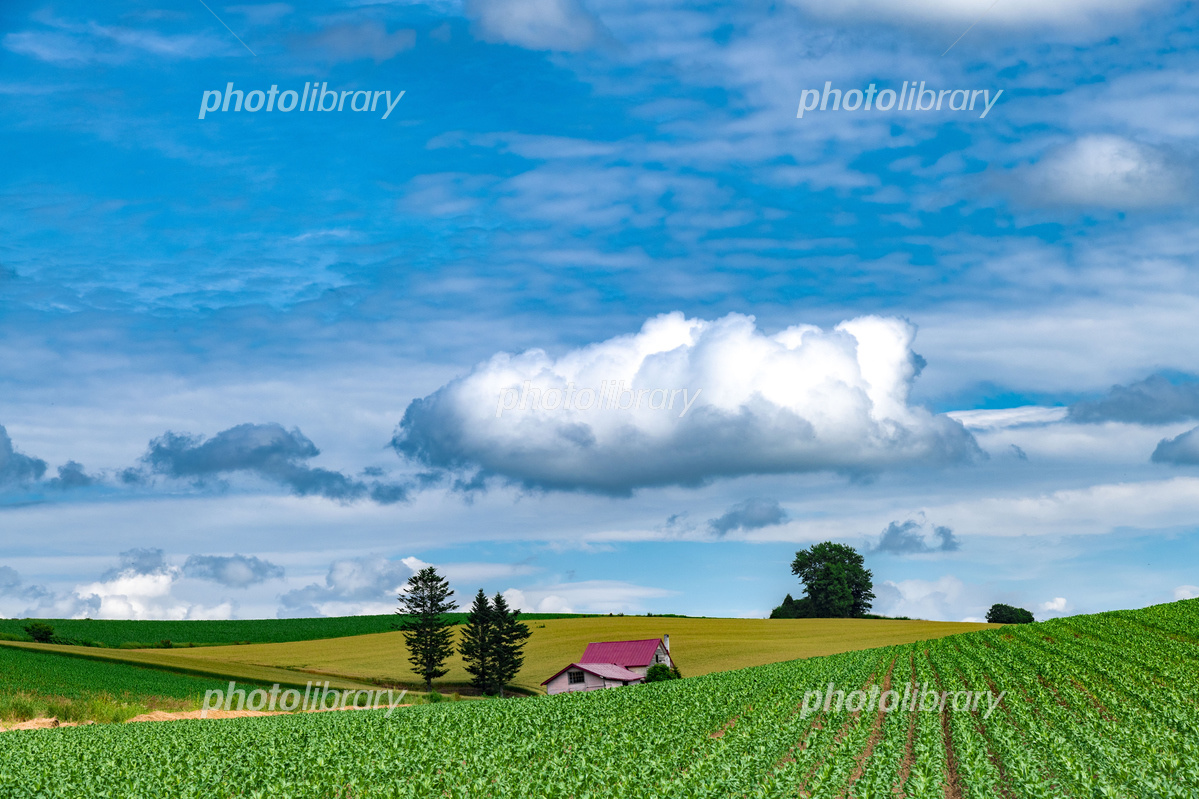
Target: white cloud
x=1009 y=13
x=415 y=564
x=802 y=400
x=1098 y=509
x=1003 y=418
x=462 y=575
x=535 y=24
x=586 y=596
x=353 y=586
x=348 y=42
x=1186 y=592
x=262 y=13
x=1055 y=605
x=1109 y=172
x=945 y=599
x=131 y=595
x=74 y=44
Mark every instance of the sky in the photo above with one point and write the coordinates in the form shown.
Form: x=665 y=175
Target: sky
x=610 y=306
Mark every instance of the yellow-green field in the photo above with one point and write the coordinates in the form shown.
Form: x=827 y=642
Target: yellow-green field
x=220 y=665
x=699 y=646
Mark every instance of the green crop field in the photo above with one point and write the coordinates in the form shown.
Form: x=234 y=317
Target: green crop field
x=1093 y=706
x=77 y=678
x=699 y=645
x=44 y=684
x=206 y=668
x=119 y=632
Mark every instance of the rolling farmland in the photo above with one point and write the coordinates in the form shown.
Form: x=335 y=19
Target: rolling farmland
x=197 y=666
x=1092 y=706
x=40 y=684
x=703 y=646
x=148 y=633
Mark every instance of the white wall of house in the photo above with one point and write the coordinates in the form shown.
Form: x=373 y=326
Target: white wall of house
x=591 y=682
x=660 y=656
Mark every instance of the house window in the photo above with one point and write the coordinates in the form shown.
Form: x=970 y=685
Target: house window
x=574 y=677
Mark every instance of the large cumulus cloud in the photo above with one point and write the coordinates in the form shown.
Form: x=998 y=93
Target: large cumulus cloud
x=802 y=400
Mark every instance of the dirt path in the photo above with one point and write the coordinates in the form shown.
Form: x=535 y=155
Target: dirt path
x=163 y=715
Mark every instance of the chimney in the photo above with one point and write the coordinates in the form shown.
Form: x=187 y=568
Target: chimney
x=666 y=640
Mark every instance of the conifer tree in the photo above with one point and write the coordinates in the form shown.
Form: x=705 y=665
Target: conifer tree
x=426 y=632
x=477 y=645
x=510 y=637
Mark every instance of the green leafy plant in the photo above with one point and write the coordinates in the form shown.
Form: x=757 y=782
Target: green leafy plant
x=659 y=672
x=40 y=631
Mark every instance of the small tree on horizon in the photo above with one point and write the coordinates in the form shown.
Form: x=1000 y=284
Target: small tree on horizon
x=792 y=608
x=426 y=632
x=835 y=580
x=1007 y=614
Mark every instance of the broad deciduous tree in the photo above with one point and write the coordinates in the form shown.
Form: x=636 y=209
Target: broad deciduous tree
x=835 y=580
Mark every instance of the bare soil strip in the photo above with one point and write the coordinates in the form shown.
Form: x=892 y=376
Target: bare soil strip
x=909 y=757
x=876 y=733
x=953 y=779
x=163 y=715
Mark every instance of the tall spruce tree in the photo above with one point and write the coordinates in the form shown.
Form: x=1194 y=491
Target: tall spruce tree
x=477 y=645
x=510 y=637
x=426 y=631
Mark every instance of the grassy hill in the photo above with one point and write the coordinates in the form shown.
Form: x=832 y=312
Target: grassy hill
x=144 y=634
x=699 y=646
x=1089 y=706
x=37 y=684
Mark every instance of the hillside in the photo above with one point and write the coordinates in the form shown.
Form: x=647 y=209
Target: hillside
x=121 y=632
x=699 y=646
x=1089 y=706
x=36 y=684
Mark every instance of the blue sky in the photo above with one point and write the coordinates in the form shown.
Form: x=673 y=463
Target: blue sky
x=276 y=340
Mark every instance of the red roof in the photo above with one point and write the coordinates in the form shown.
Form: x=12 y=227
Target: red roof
x=608 y=671
x=622 y=653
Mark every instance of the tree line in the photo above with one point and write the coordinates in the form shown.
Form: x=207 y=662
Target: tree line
x=492 y=641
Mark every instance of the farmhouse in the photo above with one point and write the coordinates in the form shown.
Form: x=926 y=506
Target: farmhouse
x=610 y=665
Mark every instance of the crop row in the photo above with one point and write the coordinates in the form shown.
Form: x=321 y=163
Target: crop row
x=1098 y=706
